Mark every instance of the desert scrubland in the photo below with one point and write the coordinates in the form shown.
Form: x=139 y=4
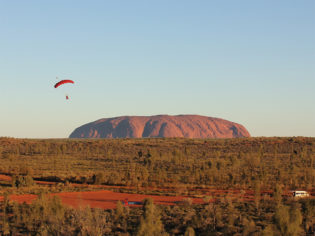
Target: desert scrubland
x=185 y=186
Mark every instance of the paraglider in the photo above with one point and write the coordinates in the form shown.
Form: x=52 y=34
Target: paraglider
x=61 y=82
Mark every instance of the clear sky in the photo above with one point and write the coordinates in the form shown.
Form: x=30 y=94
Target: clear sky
x=250 y=62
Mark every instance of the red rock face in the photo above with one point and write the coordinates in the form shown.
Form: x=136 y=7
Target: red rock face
x=188 y=126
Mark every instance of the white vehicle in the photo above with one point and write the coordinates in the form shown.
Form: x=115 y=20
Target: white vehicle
x=300 y=194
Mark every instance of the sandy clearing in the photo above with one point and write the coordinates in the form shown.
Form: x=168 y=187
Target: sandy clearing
x=102 y=199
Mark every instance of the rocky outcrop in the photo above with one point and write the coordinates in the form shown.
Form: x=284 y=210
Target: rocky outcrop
x=189 y=126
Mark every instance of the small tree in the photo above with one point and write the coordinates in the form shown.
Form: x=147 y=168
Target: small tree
x=189 y=231
x=257 y=194
x=120 y=217
x=98 y=178
x=249 y=227
x=5 y=223
x=295 y=219
x=150 y=222
x=278 y=194
x=268 y=231
x=288 y=220
x=22 y=181
x=282 y=219
x=309 y=213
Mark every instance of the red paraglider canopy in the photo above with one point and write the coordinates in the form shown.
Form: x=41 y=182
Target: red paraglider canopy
x=63 y=82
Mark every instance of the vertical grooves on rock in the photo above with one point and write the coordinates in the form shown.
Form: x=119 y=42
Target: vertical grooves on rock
x=191 y=126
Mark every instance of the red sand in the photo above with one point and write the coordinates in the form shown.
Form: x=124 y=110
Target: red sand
x=102 y=199
x=5 y=178
x=106 y=199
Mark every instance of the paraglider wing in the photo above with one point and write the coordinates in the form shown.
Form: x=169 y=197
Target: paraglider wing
x=63 y=82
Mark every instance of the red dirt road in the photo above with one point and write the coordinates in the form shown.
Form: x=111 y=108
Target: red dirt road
x=5 y=178
x=107 y=199
x=102 y=199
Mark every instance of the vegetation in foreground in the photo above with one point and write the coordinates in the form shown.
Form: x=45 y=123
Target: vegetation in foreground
x=183 y=166
x=47 y=216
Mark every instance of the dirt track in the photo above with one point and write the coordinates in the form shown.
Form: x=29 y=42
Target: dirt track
x=107 y=199
x=5 y=178
x=102 y=199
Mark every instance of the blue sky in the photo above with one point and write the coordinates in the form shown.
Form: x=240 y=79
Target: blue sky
x=251 y=62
